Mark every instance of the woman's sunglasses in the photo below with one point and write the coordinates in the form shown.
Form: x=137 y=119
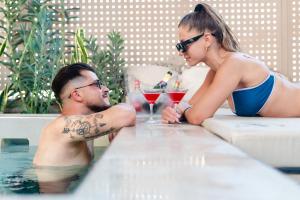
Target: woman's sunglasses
x=182 y=46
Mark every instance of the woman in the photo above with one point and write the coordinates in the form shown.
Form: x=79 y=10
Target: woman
x=249 y=86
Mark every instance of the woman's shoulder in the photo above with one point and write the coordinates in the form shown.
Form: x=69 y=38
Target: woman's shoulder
x=240 y=57
x=239 y=65
x=232 y=60
x=241 y=60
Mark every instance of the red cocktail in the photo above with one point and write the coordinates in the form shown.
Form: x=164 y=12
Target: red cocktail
x=176 y=96
x=151 y=96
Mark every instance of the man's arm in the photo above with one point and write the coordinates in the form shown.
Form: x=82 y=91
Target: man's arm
x=86 y=127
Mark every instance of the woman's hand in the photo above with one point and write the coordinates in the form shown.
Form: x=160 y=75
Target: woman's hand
x=170 y=116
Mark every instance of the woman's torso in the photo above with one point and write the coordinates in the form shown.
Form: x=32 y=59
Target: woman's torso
x=283 y=99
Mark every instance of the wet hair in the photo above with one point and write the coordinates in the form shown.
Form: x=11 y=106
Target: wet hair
x=205 y=18
x=67 y=73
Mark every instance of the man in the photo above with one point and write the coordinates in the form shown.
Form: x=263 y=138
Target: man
x=86 y=114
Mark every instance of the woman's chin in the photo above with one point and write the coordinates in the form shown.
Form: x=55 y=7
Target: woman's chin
x=188 y=66
x=191 y=64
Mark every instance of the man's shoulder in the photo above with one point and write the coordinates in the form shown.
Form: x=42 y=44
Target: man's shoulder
x=54 y=125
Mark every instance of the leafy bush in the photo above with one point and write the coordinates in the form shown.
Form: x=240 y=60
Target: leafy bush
x=108 y=62
x=110 y=65
x=35 y=50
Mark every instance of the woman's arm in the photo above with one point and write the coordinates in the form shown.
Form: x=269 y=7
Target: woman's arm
x=170 y=115
x=213 y=96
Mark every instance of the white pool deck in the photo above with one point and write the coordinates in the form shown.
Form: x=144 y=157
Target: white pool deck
x=170 y=162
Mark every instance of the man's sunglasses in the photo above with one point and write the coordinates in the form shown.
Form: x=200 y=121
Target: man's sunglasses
x=182 y=46
x=96 y=83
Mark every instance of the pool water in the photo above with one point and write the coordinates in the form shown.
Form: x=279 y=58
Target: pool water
x=17 y=175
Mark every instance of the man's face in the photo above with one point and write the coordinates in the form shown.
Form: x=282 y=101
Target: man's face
x=95 y=95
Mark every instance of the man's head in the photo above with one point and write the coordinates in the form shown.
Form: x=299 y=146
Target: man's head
x=78 y=82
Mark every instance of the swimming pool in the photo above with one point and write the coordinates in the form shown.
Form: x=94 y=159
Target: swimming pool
x=18 y=176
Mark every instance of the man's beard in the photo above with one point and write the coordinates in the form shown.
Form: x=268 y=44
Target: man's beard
x=95 y=108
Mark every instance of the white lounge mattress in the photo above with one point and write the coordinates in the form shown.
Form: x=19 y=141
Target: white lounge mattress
x=275 y=141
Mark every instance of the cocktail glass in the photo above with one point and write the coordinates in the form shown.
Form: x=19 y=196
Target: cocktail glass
x=176 y=95
x=176 y=90
x=151 y=95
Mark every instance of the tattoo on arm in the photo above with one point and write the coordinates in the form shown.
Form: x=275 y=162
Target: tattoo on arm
x=66 y=128
x=87 y=128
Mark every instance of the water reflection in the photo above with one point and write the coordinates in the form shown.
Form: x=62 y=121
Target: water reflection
x=45 y=180
x=59 y=179
x=18 y=176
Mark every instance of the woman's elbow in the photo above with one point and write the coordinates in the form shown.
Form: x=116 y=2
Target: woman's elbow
x=194 y=121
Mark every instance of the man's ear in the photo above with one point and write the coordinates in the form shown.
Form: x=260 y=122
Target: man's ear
x=76 y=96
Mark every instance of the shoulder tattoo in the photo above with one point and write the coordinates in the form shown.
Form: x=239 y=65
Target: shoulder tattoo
x=87 y=127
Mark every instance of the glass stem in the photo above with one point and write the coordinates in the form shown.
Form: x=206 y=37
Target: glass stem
x=175 y=106
x=151 y=111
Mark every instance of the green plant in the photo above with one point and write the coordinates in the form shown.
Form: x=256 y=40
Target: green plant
x=110 y=64
x=35 y=50
x=2 y=47
x=4 y=94
x=80 y=53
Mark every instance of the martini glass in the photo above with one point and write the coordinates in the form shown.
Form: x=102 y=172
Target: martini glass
x=151 y=95
x=176 y=95
x=176 y=91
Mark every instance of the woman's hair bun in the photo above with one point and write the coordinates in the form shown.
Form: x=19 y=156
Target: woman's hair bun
x=199 y=7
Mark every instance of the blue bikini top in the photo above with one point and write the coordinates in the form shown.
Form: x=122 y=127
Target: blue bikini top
x=249 y=101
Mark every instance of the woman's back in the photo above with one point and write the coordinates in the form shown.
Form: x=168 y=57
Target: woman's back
x=284 y=101
x=253 y=74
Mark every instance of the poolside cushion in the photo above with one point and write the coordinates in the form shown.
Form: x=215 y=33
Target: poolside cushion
x=275 y=141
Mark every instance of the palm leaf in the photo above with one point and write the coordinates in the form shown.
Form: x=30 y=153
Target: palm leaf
x=81 y=46
x=4 y=97
x=2 y=47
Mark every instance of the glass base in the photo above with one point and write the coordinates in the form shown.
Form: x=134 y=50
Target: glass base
x=153 y=121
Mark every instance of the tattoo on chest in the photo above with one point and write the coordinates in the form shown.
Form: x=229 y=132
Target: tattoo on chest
x=87 y=127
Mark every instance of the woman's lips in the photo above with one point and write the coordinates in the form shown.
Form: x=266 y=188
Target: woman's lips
x=186 y=58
